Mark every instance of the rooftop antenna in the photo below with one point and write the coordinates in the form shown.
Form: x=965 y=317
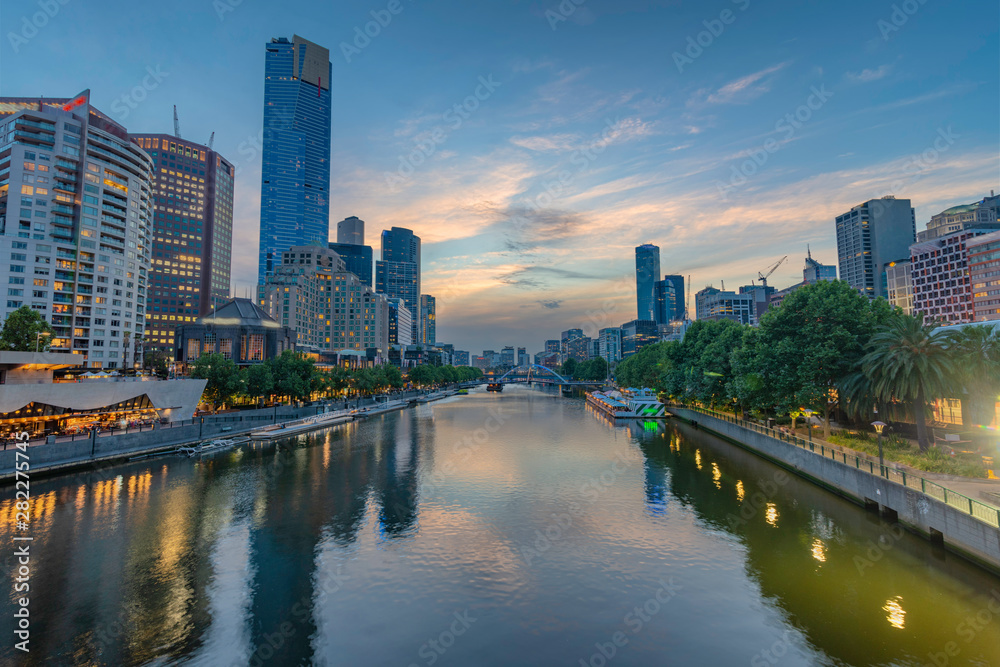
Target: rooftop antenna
x=177 y=124
x=211 y=140
x=808 y=252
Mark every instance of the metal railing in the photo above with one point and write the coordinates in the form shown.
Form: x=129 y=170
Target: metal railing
x=985 y=513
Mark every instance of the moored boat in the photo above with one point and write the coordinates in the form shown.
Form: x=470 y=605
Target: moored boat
x=628 y=404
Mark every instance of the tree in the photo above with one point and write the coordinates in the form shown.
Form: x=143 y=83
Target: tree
x=224 y=378
x=258 y=381
x=975 y=351
x=568 y=368
x=156 y=361
x=293 y=374
x=20 y=331
x=910 y=362
x=593 y=369
x=422 y=375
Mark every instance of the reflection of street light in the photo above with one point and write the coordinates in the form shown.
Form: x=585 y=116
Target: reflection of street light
x=878 y=429
x=38 y=337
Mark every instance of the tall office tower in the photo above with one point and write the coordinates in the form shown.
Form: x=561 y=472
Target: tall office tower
x=358 y=259
x=871 y=235
x=428 y=320
x=523 y=358
x=813 y=271
x=610 y=344
x=192 y=234
x=397 y=274
x=636 y=335
x=400 y=323
x=663 y=302
x=75 y=225
x=566 y=337
x=295 y=169
x=508 y=357
x=647 y=272
x=678 y=309
x=351 y=231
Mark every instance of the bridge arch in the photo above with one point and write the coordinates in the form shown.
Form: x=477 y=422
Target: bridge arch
x=531 y=366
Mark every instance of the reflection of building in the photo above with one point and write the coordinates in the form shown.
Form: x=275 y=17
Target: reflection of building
x=75 y=226
x=238 y=330
x=33 y=400
x=984 y=270
x=871 y=235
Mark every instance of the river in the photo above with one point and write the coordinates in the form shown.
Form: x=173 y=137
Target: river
x=491 y=529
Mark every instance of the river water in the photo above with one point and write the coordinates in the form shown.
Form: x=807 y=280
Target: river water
x=492 y=529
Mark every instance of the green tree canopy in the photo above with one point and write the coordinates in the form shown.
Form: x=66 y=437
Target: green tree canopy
x=224 y=378
x=293 y=374
x=258 y=381
x=20 y=331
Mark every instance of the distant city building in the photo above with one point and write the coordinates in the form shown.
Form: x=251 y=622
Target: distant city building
x=578 y=348
x=76 y=226
x=813 y=271
x=609 y=342
x=193 y=234
x=942 y=287
x=981 y=214
x=714 y=304
x=664 y=300
x=523 y=358
x=460 y=358
x=647 y=273
x=636 y=335
x=871 y=235
x=400 y=322
x=566 y=337
x=678 y=310
x=357 y=259
x=397 y=274
x=480 y=362
x=984 y=270
x=899 y=285
x=507 y=356
x=428 y=319
x=351 y=231
x=761 y=296
x=553 y=346
x=295 y=167
x=238 y=330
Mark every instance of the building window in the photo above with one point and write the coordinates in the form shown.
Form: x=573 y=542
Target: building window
x=209 y=343
x=194 y=349
x=226 y=348
x=256 y=347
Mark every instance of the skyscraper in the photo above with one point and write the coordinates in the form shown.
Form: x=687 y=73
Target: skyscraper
x=678 y=308
x=397 y=274
x=295 y=172
x=647 y=272
x=351 y=231
x=358 y=259
x=869 y=237
x=193 y=234
x=428 y=320
x=75 y=226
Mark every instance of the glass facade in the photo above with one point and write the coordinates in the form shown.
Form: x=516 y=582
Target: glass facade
x=357 y=259
x=647 y=273
x=295 y=170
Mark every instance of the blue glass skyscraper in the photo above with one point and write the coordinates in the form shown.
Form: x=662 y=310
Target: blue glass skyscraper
x=647 y=272
x=295 y=173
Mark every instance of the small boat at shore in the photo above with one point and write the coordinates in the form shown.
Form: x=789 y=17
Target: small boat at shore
x=495 y=386
x=211 y=446
x=628 y=404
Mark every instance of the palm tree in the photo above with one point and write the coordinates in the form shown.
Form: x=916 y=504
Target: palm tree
x=976 y=351
x=909 y=362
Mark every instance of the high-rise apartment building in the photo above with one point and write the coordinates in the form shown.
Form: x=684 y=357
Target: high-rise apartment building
x=871 y=235
x=553 y=347
x=192 y=234
x=610 y=344
x=984 y=272
x=647 y=273
x=351 y=231
x=358 y=259
x=400 y=322
x=428 y=320
x=636 y=335
x=295 y=169
x=397 y=274
x=942 y=286
x=507 y=357
x=75 y=226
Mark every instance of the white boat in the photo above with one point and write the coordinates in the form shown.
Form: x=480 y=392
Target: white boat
x=211 y=446
x=628 y=404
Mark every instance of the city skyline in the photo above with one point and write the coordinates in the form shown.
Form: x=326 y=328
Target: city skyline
x=655 y=147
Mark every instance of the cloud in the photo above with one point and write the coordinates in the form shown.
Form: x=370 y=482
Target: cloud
x=740 y=91
x=554 y=142
x=551 y=305
x=868 y=75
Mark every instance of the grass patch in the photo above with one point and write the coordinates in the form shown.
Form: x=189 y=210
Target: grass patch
x=900 y=450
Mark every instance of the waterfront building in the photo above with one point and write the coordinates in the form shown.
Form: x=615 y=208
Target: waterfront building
x=647 y=273
x=295 y=166
x=609 y=342
x=566 y=337
x=41 y=395
x=636 y=335
x=351 y=231
x=871 y=235
x=984 y=272
x=712 y=303
x=507 y=357
x=942 y=287
x=899 y=285
x=460 y=358
x=579 y=348
x=192 y=234
x=400 y=322
x=482 y=363
x=397 y=274
x=357 y=259
x=238 y=330
x=76 y=226
x=428 y=319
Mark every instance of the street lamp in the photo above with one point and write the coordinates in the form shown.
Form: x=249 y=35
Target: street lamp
x=38 y=338
x=878 y=429
x=809 y=414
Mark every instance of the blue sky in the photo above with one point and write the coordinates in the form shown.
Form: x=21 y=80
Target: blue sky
x=729 y=133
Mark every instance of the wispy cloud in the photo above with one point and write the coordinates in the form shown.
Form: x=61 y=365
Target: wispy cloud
x=868 y=75
x=551 y=143
x=740 y=91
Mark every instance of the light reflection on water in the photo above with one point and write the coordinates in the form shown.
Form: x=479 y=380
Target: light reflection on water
x=457 y=535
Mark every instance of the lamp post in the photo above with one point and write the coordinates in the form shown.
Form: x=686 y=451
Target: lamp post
x=879 y=425
x=38 y=338
x=809 y=414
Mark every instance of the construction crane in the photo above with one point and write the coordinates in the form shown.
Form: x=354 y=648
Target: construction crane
x=764 y=276
x=177 y=124
x=211 y=140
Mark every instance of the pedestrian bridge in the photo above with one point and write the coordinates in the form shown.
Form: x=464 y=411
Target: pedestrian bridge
x=535 y=373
